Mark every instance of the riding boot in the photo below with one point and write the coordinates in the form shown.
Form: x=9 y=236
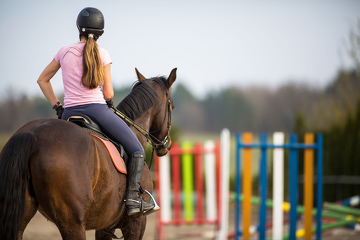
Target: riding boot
x=134 y=202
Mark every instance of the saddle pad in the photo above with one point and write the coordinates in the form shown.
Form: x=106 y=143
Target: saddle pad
x=114 y=155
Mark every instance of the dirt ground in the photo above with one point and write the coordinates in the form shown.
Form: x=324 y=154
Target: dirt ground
x=41 y=229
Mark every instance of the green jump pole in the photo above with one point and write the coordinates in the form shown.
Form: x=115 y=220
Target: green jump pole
x=333 y=211
x=342 y=209
x=269 y=203
x=300 y=209
x=188 y=185
x=341 y=223
x=333 y=215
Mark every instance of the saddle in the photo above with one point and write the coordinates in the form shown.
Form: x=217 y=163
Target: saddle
x=119 y=159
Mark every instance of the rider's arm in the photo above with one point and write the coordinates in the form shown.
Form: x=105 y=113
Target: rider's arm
x=44 y=81
x=108 y=90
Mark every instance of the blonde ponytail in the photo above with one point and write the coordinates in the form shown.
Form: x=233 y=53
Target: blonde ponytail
x=93 y=70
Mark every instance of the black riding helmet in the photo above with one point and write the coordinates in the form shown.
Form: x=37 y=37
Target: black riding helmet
x=90 y=20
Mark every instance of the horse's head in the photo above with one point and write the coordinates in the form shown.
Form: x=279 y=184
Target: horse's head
x=161 y=112
x=150 y=105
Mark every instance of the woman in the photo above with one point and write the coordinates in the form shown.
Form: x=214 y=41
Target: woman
x=85 y=69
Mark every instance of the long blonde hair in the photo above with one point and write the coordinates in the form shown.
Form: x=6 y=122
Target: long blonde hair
x=93 y=70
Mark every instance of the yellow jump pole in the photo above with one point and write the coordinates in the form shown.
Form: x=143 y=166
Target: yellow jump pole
x=247 y=182
x=308 y=185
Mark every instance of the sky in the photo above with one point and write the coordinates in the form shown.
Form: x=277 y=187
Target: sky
x=213 y=44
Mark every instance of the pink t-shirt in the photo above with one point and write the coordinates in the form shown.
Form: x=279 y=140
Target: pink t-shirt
x=70 y=59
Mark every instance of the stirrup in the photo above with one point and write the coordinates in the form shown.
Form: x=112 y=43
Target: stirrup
x=155 y=208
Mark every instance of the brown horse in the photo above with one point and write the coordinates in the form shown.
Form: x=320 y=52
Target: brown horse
x=55 y=167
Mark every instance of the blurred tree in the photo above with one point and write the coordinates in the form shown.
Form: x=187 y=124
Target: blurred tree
x=275 y=110
x=188 y=114
x=300 y=123
x=339 y=97
x=227 y=108
x=354 y=50
x=342 y=155
x=342 y=138
x=182 y=94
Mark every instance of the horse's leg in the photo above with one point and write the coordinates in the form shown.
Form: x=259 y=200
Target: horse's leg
x=64 y=198
x=68 y=212
x=67 y=209
x=31 y=206
x=134 y=228
x=69 y=220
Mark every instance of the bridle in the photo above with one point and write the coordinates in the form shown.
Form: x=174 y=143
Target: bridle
x=166 y=141
x=151 y=139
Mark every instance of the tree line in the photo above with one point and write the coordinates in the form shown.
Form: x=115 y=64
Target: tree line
x=256 y=109
x=259 y=109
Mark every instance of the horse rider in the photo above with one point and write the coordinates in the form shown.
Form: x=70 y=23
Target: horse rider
x=87 y=89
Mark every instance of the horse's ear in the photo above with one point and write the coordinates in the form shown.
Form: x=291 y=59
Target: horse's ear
x=139 y=75
x=172 y=77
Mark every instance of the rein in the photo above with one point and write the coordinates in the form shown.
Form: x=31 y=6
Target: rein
x=149 y=137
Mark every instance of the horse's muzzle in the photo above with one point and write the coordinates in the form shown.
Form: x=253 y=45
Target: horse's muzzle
x=163 y=150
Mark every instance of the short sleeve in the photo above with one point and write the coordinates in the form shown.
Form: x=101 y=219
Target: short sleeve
x=105 y=57
x=59 y=55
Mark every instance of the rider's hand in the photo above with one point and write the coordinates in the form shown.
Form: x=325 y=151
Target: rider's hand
x=110 y=103
x=59 y=111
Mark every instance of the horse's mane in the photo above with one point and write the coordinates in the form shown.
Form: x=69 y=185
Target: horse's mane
x=141 y=97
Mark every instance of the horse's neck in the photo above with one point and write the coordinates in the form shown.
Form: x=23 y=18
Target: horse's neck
x=144 y=122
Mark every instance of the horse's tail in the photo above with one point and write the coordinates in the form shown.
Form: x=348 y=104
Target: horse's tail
x=14 y=176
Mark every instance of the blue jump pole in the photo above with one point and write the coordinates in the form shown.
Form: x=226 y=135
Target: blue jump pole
x=319 y=185
x=237 y=186
x=263 y=188
x=293 y=185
